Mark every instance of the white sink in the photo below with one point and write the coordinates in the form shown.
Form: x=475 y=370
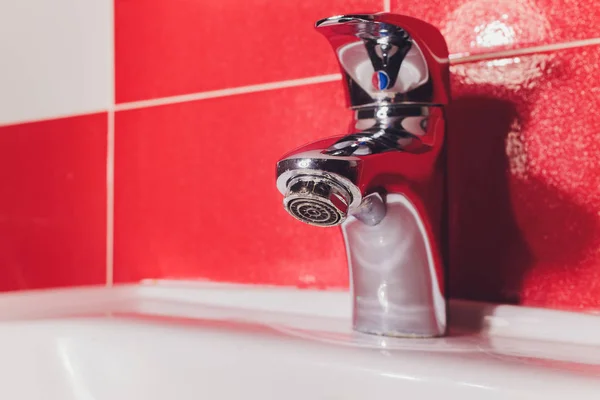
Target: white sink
x=181 y=341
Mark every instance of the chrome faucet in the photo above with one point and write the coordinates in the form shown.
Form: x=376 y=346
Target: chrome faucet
x=384 y=180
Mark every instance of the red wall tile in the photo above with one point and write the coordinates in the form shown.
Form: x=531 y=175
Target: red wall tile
x=166 y=48
x=53 y=203
x=478 y=26
x=524 y=148
x=195 y=190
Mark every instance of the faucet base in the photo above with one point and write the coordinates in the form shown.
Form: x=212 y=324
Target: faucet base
x=395 y=273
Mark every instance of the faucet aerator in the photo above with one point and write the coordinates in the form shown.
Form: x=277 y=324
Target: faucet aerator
x=317 y=201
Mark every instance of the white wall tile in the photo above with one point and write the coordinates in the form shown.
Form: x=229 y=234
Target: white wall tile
x=56 y=58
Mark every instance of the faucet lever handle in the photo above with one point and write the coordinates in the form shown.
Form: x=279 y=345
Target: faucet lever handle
x=386 y=59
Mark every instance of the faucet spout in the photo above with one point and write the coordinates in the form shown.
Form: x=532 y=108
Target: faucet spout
x=383 y=180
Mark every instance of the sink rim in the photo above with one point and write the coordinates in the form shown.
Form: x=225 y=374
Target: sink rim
x=475 y=317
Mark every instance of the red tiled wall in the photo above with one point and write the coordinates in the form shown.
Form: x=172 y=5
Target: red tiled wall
x=209 y=94
x=53 y=203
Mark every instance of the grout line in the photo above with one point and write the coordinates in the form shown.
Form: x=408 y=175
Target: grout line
x=110 y=197
x=227 y=92
x=110 y=155
x=51 y=117
x=462 y=58
x=387 y=7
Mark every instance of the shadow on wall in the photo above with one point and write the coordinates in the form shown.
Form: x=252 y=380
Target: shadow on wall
x=501 y=227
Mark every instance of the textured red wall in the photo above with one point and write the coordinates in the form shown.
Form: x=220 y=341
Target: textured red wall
x=210 y=94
